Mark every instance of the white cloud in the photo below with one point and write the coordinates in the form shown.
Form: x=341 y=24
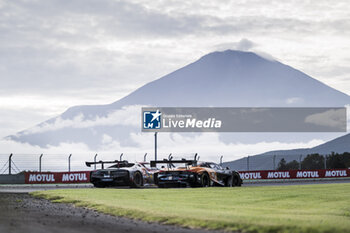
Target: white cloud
x=294 y=100
x=90 y=52
x=243 y=45
x=330 y=118
x=348 y=117
x=207 y=145
x=127 y=116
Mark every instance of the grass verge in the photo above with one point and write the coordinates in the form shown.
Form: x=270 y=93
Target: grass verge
x=295 y=208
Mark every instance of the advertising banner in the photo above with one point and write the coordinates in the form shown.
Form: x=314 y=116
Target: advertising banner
x=57 y=177
x=294 y=174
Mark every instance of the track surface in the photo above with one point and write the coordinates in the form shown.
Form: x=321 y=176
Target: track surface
x=20 y=213
x=32 y=188
x=27 y=188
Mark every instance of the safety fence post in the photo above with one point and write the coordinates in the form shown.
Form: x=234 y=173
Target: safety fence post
x=10 y=163
x=40 y=162
x=155 y=146
x=95 y=161
x=69 y=162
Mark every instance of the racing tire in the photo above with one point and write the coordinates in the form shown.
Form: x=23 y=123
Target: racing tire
x=137 y=180
x=229 y=181
x=205 y=180
x=236 y=181
x=239 y=183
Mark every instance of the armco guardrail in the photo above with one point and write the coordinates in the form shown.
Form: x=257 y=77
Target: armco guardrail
x=56 y=177
x=294 y=174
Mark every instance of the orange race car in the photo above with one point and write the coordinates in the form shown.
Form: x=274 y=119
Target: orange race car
x=194 y=174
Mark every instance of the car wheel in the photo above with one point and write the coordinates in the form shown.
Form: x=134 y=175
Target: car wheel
x=205 y=180
x=155 y=178
x=236 y=181
x=239 y=181
x=137 y=180
x=229 y=181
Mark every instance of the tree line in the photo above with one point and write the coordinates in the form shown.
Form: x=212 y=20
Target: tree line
x=317 y=161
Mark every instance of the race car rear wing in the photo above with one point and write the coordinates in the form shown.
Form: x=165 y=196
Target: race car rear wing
x=170 y=161
x=104 y=162
x=166 y=161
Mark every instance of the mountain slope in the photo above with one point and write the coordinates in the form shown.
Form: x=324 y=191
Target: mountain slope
x=219 y=79
x=229 y=78
x=265 y=161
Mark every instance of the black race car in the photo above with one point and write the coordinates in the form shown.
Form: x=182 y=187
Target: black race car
x=121 y=173
x=194 y=174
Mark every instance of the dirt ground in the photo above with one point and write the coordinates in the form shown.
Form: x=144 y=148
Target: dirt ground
x=20 y=213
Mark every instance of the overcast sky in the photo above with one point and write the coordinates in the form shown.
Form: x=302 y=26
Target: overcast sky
x=55 y=53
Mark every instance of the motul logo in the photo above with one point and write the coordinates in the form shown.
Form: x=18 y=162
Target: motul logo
x=41 y=178
x=250 y=175
x=278 y=175
x=74 y=177
x=307 y=174
x=336 y=173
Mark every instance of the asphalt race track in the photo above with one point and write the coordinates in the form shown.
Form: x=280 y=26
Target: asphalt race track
x=31 y=188
x=21 y=213
x=27 y=188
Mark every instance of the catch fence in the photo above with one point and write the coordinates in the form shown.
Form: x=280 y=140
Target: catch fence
x=16 y=163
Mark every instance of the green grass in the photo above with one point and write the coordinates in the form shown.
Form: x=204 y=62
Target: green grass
x=302 y=208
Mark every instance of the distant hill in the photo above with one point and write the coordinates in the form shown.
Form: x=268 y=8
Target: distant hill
x=265 y=161
x=219 y=79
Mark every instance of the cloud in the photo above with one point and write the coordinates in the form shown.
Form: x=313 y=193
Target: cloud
x=207 y=145
x=99 y=44
x=96 y=52
x=294 y=100
x=126 y=116
x=243 y=45
x=334 y=119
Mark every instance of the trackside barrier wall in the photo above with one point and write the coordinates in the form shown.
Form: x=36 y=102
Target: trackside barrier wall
x=84 y=176
x=294 y=174
x=57 y=177
x=12 y=179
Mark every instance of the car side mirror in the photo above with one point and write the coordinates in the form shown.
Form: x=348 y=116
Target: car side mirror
x=227 y=168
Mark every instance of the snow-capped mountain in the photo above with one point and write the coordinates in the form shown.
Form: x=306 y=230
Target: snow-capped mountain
x=219 y=79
